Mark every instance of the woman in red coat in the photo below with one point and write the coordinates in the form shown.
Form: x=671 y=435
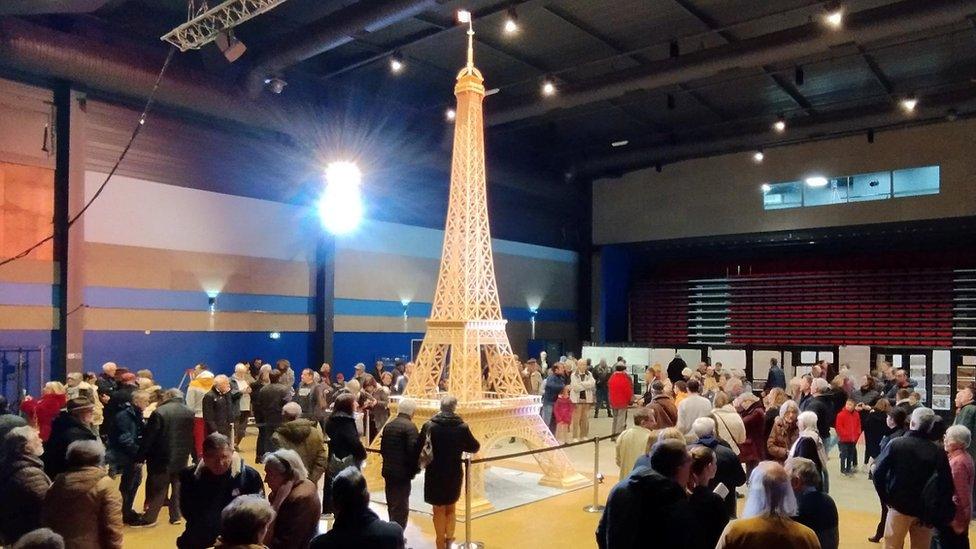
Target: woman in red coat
x=41 y=412
x=752 y=450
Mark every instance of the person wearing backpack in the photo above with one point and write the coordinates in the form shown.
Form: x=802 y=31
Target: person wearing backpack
x=399 y=448
x=443 y=440
x=914 y=480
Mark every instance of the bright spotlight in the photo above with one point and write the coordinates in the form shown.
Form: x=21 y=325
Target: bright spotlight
x=548 y=88
x=396 y=63
x=341 y=206
x=758 y=157
x=834 y=17
x=780 y=125
x=817 y=181
x=464 y=16
x=909 y=103
x=766 y=188
x=450 y=114
x=511 y=22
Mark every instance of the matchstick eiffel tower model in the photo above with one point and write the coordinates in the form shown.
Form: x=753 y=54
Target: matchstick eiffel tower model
x=466 y=330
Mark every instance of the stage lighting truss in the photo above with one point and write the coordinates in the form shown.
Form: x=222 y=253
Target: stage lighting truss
x=205 y=24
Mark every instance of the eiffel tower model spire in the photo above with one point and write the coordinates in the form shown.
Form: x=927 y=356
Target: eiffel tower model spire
x=466 y=343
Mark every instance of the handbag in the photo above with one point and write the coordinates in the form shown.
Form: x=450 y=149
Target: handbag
x=337 y=465
x=427 y=450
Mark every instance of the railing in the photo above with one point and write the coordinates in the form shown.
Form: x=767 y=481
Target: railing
x=469 y=461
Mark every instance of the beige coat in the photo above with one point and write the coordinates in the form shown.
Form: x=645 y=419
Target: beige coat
x=85 y=507
x=631 y=444
x=729 y=426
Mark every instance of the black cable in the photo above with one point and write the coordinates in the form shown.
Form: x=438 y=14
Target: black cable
x=125 y=151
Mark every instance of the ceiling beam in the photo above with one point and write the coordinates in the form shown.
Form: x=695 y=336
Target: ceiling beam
x=711 y=24
x=876 y=71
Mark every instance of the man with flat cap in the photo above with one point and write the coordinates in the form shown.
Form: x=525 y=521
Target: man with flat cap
x=74 y=423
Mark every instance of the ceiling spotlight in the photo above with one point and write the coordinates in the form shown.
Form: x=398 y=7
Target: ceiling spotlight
x=780 y=124
x=396 y=62
x=766 y=187
x=464 y=16
x=621 y=143
x=450 y=114
x=758 y=156
x=817 y=181
x=909 y=103
x=548 y=88
x=834 y=15
x=511 y=22
x=798 y=75
x=275 y=84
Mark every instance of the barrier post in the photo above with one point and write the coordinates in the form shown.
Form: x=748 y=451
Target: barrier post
x=595 y=507
x=468 y=544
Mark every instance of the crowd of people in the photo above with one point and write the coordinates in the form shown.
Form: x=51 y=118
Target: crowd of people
x=72 y=460
x=698 y=434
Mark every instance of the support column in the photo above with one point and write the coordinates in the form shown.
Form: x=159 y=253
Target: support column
x=584 y=290
x=62 y=127
x=324 y=296
x=76 y=235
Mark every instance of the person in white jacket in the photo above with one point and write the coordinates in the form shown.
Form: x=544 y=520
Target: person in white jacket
x=692 y=407
x=582 y=391
x=728 y=423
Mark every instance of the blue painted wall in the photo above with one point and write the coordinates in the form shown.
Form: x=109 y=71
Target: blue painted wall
x=367 y=347
x=169 y=354
x=615 y=265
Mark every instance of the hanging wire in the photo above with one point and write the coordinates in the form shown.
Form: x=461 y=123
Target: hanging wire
x=135 y=132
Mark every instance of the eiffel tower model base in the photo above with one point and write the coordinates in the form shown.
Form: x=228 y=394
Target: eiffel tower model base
x=493 y=419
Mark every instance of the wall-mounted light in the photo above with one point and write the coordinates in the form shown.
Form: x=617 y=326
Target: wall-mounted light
x=758 y=156
x=406 y=305
x=532 y=312
x=212 y=300
x=275 y=335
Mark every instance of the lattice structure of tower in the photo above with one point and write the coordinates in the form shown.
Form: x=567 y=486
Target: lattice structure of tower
x=466 y=332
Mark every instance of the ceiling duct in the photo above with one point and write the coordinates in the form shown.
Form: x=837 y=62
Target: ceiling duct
x=329 y=33
x=812 y=38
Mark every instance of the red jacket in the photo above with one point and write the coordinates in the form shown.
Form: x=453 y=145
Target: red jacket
x=848 y=425
x=43 y=411
x=753 y=448
x=621 y=390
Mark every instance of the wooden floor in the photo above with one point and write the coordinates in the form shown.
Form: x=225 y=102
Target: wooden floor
x=560 y=521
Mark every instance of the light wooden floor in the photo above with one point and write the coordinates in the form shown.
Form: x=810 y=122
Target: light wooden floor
x=560 y=521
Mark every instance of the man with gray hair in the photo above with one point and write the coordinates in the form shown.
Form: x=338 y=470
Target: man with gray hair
x=449 y=438
x=166 y=446
x=398 y=446
x=815 y=509
x=304 y=437
x=955 y=534
x=914 y=480
x=245 y=521
x=766 y=518
x=218 y=407
x=728 y=470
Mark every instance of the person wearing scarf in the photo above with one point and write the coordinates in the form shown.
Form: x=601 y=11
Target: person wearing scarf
x=295 y=501
x=810 y=445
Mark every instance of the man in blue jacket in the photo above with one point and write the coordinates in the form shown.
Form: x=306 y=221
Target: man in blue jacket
x=123 y=451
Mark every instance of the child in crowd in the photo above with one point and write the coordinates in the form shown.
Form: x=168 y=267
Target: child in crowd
x=848 y=425
x=563 y=412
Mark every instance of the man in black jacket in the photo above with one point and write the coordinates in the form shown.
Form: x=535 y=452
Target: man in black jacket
x=815 y=509
x=207 y=487
x=654 y=494
x=729 y=471
x=122 y=395
x=166 y=446
x=356 y=525
x=123 y=451
x=914 y=480
x=675 y=367
x=822 y=404
x=267 y=405
x=450 y=437
x=400 y=451
x=218 y=407
x=72 y=424
x=106 y=382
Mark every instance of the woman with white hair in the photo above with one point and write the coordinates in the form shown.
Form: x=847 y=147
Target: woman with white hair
x=785 y=432
x=957 y=441
x=766 y=518
x=294 y=498
x=809 y=445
